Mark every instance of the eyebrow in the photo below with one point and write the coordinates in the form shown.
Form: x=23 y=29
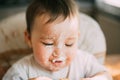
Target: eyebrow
x=47 y=37
x=52 y=38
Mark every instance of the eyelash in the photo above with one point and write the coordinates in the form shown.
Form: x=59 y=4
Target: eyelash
x=47 y=44
x=69 y=45
x=50 y=44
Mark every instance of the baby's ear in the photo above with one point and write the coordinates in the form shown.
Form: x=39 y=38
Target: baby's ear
x=27 y=38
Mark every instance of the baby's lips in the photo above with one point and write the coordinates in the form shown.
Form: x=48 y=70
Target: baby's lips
x=56 y=61
x=61 y=59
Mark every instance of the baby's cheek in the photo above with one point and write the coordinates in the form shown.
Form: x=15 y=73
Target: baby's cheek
x=42 y=51
x=71 y=54
x=72 y=51
x=49 y=50
x=70 y=57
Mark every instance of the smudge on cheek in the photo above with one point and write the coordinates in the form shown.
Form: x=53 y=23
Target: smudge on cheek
x=49 y=49
x=47 y=53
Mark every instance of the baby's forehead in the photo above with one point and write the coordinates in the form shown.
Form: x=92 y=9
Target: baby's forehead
x=48 y=19
x=58 y=25
x=42 y=18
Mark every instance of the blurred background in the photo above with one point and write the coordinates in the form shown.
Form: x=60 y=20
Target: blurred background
x=105 y=12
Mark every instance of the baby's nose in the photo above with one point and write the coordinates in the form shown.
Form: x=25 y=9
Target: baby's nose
x=58 y=52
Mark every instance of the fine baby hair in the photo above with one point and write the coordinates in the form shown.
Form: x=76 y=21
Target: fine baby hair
x=53 y=8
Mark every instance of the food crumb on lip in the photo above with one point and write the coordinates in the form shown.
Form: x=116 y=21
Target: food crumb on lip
x=56 y=61
x=59 y=60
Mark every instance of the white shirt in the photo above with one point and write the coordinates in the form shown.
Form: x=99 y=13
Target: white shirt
x=84 y=65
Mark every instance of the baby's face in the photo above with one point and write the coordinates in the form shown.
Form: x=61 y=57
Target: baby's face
x=54 y=44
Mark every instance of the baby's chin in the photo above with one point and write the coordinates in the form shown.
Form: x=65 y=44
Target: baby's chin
x=54 y=69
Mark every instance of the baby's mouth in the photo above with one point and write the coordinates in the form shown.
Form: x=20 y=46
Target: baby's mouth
x=58 y=60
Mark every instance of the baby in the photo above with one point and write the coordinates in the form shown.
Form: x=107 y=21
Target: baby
x=52 y=33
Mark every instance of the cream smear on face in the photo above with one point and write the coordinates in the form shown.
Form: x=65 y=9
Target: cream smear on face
x=57 y=58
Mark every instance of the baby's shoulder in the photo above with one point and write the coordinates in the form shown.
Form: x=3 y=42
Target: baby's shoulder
x=23 y=62
x=19 y=69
